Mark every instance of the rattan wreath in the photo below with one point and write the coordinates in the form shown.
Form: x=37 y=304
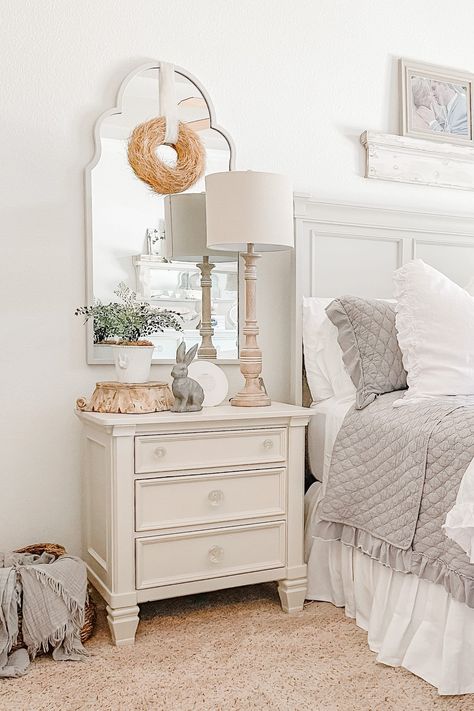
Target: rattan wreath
x=162 y=178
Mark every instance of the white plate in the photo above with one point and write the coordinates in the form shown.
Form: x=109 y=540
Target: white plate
x=212 y=379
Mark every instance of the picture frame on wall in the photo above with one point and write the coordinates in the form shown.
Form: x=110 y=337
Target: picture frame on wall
x=437 y=103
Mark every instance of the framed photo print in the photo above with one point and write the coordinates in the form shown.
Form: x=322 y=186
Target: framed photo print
x=436 y=103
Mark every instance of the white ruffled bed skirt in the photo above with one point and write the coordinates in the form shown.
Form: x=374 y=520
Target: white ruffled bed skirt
x=410 y=622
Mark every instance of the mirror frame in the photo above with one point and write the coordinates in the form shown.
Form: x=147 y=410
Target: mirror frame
x=92 y=357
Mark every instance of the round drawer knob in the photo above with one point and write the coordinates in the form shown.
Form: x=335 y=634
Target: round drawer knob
x=216 y=497
x=216 y=554
x=268 y=443
x=160 y=452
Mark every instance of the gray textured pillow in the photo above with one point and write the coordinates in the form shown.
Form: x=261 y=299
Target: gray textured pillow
x=370 y=351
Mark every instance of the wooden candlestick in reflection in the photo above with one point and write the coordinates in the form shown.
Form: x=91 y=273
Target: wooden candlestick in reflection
x=207 y=349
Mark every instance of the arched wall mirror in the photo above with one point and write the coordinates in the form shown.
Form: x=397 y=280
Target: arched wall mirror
x=126 y=228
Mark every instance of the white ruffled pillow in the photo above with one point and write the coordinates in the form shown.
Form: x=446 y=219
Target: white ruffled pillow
x=325 y=371
x=435 y=324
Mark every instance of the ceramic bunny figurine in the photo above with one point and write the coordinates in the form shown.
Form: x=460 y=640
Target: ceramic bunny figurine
x=188 y=394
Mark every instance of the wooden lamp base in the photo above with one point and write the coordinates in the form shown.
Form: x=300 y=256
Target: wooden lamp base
x=253 y=393
x=249 y=397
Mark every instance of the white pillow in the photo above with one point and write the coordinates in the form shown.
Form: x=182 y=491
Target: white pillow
x=325 y=370
x=435 y=324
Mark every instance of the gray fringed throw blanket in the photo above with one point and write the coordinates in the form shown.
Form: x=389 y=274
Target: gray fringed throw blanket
x=54 y=596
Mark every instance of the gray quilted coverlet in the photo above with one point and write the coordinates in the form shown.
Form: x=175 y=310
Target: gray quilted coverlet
x=394 y=475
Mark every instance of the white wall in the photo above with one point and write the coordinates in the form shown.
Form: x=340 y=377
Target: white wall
x=295 y=83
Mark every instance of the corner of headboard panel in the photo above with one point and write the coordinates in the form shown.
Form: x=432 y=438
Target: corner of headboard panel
x=300 y=287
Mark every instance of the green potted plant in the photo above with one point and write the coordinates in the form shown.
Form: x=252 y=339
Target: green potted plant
x=123 y=325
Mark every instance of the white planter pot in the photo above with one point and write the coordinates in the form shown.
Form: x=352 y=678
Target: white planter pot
x=132 y=363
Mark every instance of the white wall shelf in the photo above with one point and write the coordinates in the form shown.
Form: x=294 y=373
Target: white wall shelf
x=418 y=161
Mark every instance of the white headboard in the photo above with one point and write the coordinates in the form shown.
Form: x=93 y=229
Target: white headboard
x=351 y=249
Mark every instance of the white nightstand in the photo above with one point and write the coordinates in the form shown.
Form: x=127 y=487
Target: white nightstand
x=184 y=503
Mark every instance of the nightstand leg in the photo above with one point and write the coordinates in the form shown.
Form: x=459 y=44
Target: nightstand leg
x=123 y=623
x=292 y=594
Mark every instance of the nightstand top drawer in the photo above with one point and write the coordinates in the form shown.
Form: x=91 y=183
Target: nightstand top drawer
x=208 y=499
x=210 y=450
x=164 y=560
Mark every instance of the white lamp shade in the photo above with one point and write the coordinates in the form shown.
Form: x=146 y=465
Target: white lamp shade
x=249 y=207
x=185 y=229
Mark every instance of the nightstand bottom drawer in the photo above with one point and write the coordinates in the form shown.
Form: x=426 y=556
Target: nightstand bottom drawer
x=169 y=559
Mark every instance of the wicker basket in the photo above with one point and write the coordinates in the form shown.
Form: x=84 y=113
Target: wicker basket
x=90 y=613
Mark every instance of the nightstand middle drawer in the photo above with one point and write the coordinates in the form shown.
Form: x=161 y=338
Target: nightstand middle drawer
x=173 y=502
x=209 y=450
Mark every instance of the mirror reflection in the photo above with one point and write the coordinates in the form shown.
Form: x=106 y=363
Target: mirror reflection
x=128 y=228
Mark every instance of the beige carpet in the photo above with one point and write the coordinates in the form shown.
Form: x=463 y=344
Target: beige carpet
x=228 y=650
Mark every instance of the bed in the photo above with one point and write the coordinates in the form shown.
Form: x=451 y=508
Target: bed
x=411 y=622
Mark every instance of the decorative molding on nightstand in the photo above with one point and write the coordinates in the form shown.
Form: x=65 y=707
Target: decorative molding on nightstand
x=417 y=161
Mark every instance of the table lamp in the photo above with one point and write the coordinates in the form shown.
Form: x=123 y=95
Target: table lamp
x=185 y=241
x=248 y=211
